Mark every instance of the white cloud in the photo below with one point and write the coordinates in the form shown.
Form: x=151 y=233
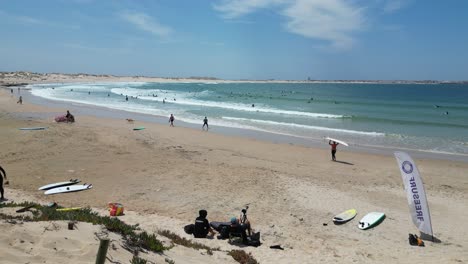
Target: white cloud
x=236 y=8
x=330 y=20
x=26 y=20
x=334 y=21
x=146 y=23
x=395 y=5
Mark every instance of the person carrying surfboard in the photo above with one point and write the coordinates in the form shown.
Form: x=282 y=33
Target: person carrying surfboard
x=333 y=145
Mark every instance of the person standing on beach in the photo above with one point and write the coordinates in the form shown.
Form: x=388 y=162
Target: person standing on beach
x=2 y=175
x=126 y=98
x=171 y=120
x=205 y=123
x=333 y=145
x=20 y=101
x=11 y=90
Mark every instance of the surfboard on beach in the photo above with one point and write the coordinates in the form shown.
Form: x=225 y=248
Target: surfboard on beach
x=345 y=216
x=370 y=220
x=58 y=184
x=139 y=128
x=68 y=209
x=33 y=128
x=337 y=141
x=67 y=189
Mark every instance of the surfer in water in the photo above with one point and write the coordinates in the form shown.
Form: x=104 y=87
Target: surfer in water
x=205 y=123
x=333 y=145
x=2 y=175
x=171 y=120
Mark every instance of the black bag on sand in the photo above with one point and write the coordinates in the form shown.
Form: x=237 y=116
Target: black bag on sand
x=254 y=240
x=414 y=240
x=189 y=229
x=224 y=232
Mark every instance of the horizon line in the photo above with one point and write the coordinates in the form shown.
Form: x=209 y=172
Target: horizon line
x=205 y=78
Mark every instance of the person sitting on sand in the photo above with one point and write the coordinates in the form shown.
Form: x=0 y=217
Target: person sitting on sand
x=244 y=222
x=2 y=175
x=20 y=101
x=202 y=226
x=70 y=117
x=333 y=148
x=237 y=228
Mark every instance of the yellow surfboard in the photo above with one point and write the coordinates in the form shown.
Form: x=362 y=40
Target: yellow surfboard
x=345 y=216
x=68 y=209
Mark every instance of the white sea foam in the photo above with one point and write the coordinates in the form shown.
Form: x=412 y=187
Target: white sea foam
x=304 y=126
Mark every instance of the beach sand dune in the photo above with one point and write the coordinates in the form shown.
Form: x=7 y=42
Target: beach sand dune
x=164 y=175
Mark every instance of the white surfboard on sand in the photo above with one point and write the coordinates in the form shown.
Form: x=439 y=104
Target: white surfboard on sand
x=337 y=141
x=345 y=216
x=370 y=220
x=66 y=189
x=33 y=128
x=58 y=184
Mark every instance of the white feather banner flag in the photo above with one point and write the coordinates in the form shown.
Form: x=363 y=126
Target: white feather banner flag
x=415 y=193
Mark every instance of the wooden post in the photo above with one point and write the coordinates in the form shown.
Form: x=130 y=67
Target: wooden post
x=102 y=252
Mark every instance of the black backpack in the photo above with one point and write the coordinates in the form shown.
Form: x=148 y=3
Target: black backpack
x=189 y=229
x=224 y=232
x=413 y=239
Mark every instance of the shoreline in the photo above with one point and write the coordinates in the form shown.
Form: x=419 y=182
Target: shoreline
x=100 y=111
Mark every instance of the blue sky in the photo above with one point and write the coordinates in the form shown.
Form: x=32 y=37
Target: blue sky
x=239 y=39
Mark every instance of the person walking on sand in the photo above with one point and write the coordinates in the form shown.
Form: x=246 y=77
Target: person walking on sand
x=2 y=175
x=171 y=120
x=333 y=145
x=20 y=101
x=205 y=123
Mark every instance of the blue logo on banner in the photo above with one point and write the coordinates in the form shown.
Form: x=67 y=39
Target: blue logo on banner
x=407 y=167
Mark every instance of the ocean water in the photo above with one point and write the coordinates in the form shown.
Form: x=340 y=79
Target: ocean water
x=424 y=117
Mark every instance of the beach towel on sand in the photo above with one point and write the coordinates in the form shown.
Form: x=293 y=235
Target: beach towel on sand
x=61 y=118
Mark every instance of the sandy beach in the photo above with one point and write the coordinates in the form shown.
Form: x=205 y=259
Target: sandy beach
x=163 y=175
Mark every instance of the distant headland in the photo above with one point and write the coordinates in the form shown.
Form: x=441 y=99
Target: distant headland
x=24 y=77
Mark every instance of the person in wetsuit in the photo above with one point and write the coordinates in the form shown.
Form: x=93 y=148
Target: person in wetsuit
x=333 y=145
x=171 y=120
x=202 y=226
x=205 y=123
